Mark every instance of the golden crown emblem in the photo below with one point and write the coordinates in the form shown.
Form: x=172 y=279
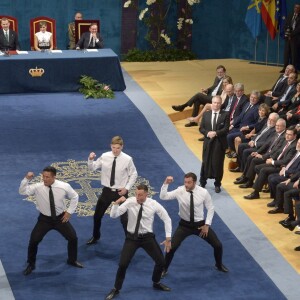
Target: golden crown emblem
x=36 y=72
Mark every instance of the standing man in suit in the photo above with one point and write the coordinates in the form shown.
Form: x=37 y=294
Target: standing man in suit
x=8 y=38
x=214 y=127
x=205 y=96
x=91 y=39
x=292 y=39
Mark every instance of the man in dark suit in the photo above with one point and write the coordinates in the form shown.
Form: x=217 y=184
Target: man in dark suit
x=292 y=38
x=205 y=96
x=273 y=164
x=8 y=38
x=91 y=39
x=214 y=127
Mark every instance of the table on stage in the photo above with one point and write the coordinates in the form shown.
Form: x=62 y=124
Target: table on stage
x=58 y=71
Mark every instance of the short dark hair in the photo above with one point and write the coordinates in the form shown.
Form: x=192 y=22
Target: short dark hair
x=221 y=67
x=191 y=175
x=142 y=187
x=293 y=128
x=50 y=169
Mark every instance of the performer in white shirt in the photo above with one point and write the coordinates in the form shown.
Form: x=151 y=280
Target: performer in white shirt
x=118 y=175
x=141 y=211
x=50 y=198
x=192 y=199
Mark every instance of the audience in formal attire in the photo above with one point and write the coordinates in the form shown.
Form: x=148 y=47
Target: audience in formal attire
x=91 y=39
x=8 y=38
x=43 y=39
x=71 y=31
x=203 y=97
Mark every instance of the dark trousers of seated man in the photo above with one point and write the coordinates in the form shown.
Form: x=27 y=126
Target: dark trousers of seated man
x=42 y=227
x=285 y=193
x=150 y=245
x=106 y=198
x=197 y=100
x=186 y=229
x=263 y=171
x=244 y=151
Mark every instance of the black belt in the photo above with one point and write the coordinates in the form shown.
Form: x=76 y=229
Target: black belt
x=191 y=224
x=111 y=189
x=57 y=217
x=140 y=235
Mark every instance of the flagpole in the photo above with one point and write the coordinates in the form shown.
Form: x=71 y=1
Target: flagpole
x=278 y=49
x=255 y=49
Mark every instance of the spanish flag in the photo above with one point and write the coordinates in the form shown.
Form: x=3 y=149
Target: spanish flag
x=268 y=12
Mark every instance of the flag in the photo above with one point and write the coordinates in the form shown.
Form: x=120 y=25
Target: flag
x=253 y=17
x=280 y=16
x=268 y=11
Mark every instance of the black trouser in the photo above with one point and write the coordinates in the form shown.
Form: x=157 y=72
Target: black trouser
x=45 y=224
x=186 y=229
x=150 y=245
x=197 y=100
x=106 y=198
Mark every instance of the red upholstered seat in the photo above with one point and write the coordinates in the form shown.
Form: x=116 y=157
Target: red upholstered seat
x=13 y=22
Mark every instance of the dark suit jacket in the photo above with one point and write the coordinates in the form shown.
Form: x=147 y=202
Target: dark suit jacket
x=85 y=43
x=215 y=84
x=287 y=155
x=13 y=43
x=278 y=90
x=288 y=97
x=248 y=117
x=266 y=149
x=294 y=169
x=264 y=138
x=238 y=110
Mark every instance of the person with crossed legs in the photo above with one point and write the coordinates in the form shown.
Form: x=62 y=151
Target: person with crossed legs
x=118 y=175
x=141 y=212
x=192 y=199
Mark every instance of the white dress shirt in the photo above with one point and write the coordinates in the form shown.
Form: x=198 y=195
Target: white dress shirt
x=125 y=174
x=150 y=208
x=201 y=198
x=61 y=190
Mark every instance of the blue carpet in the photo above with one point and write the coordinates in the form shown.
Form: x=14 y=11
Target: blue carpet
x=38 y=130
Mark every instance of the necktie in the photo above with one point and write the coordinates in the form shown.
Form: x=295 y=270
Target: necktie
x=283 y=150
x=234 y=107
x=215 y=122
x=273 y=143
x=93 y=42
x=294 y=21
x=139 y=217
x=248 y=108
x=52 y=204
x=285 y=94
x=292 y=161
x=260 y=135
x=192 y=211
x=6 y=35
x=229 y=104
x=113 y=171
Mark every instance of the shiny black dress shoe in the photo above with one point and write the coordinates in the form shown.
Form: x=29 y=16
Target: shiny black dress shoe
x=246 y=185
x=92 y=241
x=163 y=274
x=276 y=210
x=271 y=204
x=297 y=232
x=222 y=268
x=28 y=269
x=191 y=124
x=286 y=221
x=241 y=180
x=178 y=107
x=75 y=263
x=291 y=226
x=253 y=195
x=235 y=170
x=297 y=248
x=217 y=189
x=201 y=139
x=114 y=292
x=161 y=287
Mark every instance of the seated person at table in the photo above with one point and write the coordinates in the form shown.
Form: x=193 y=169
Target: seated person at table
x=43 y=39
x=91 y=39
x=71 y=31
x=8 y=38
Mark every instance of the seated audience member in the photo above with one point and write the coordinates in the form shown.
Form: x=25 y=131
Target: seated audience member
x=295 y=101
x=71 y=31
x=284 y=182
x=293 y=115
x=227 y=81
x=43 y=39
x=91 y=39
x=8 y=38
x=256 y=141
x=279 y=86
x=273 y=164
x=204 y=97
x=265 y=151
x=245 y=122
x=290 y=90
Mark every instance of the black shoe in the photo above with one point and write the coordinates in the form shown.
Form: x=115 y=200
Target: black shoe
x=276 y=210
x=163 y=274
x=114 y=292
x=75 y=263
x=246 y=185
x=217 y=189
x=237 y=169
x=191 y=124
x=28 y=269
x=178 y=107
x=161 y=287
x=286 y=221
x=222 y=268
x=253 y=195
x=297 y=232
x=92 y=241
x=201 y=139
x=297 y=248
x=291 y=226
x=241 y=180
x=271 y=204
